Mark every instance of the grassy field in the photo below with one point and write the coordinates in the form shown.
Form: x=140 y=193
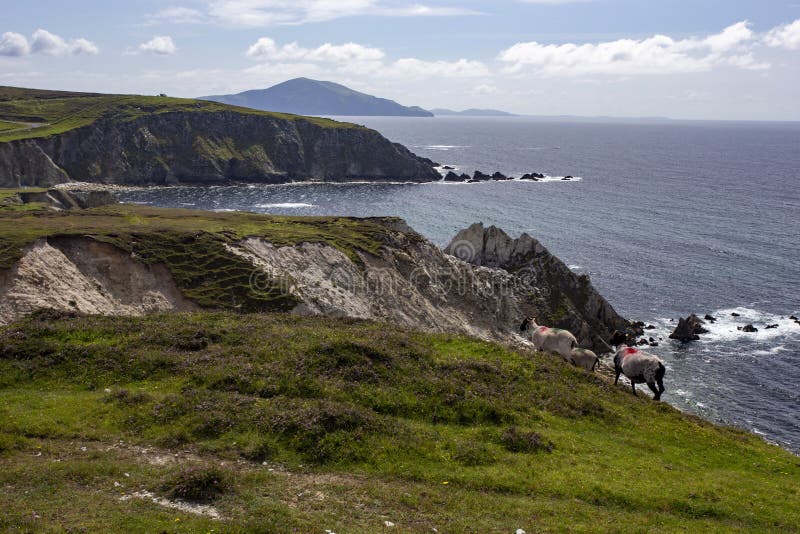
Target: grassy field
x=305 y=424
x=191 y=243
x=5 y=126
x=59 y=112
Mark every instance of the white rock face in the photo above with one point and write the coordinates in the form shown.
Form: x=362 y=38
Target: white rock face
x=409 y=282
x=416 y=286
x=86 y=276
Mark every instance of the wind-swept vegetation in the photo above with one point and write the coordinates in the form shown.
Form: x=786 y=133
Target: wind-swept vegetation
x=304 y=424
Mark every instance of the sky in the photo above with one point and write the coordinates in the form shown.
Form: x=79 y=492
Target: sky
x=683 y=59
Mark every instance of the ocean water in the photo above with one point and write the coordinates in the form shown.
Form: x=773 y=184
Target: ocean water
x=668 y=219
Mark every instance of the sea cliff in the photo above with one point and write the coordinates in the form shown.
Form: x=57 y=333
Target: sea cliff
x=130 y=260
x=162 y=141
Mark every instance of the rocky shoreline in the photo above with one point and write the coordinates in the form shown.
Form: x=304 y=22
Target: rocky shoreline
x=479 y=176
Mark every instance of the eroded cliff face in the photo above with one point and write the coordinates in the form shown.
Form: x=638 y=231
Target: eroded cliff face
x=408 y=282
x=208 y=148
x=86 y=276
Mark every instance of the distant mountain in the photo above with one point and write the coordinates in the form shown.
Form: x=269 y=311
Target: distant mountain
x=303 y=96
x=472 y=113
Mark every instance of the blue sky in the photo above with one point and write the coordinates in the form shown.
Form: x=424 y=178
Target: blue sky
x=684 y=59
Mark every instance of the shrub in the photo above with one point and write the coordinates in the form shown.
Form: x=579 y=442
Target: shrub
x=470 y=453
x=516 y=441
x=196 y=484
x=123 y=396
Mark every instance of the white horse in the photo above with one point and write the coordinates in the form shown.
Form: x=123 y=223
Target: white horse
x=549 y=339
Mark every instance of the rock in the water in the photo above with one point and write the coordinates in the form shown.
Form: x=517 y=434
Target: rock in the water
x=480 y=177
x=499 y=176
x=533 y=176
x=734 y=314
x=710 y=318
x=453 y=177
x=568 y=177
x=748 y=328
x=448 y=168
x=650 y=327
x=689 y=329
x=770 y=326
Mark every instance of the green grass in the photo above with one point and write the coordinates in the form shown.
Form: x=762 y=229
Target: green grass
x=305 y=424
x=191 y=243
x=60 y=112
x=5 y=126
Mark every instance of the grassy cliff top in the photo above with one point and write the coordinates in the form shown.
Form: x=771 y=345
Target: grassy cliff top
x=32 y=113
x=191 y=243
x=304 y=424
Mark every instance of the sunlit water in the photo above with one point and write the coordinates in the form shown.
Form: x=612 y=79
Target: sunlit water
x=667 y=219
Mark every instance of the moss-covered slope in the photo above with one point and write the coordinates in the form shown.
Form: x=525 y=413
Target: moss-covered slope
x=286 y=424
x=51 y=137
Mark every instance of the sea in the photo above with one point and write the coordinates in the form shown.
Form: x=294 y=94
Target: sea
x=668 y=218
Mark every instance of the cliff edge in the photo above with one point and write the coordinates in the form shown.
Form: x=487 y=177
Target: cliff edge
x=137 y=140
x=565 y=299
x=131 y=260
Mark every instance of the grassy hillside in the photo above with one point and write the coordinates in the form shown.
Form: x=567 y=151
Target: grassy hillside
x=55 y=112
x=191 y=243
x=287 y=424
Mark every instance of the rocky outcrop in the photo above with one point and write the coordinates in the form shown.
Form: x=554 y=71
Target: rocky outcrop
x=689 y=329
x=63 y=199
x=410 y=282
x=208 y=148
x=562 y=299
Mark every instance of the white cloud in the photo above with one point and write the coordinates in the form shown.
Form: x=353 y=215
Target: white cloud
x=14 y=44
x=83 y=46
x=178 y=15
x=658 y=54
x=353 y=58
x=160 y=45
x=260 y=13
x=786 y=36
x=43 y=42
x=730 y=38
x=266 y=48
x=50 y=44
x=411 y=68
